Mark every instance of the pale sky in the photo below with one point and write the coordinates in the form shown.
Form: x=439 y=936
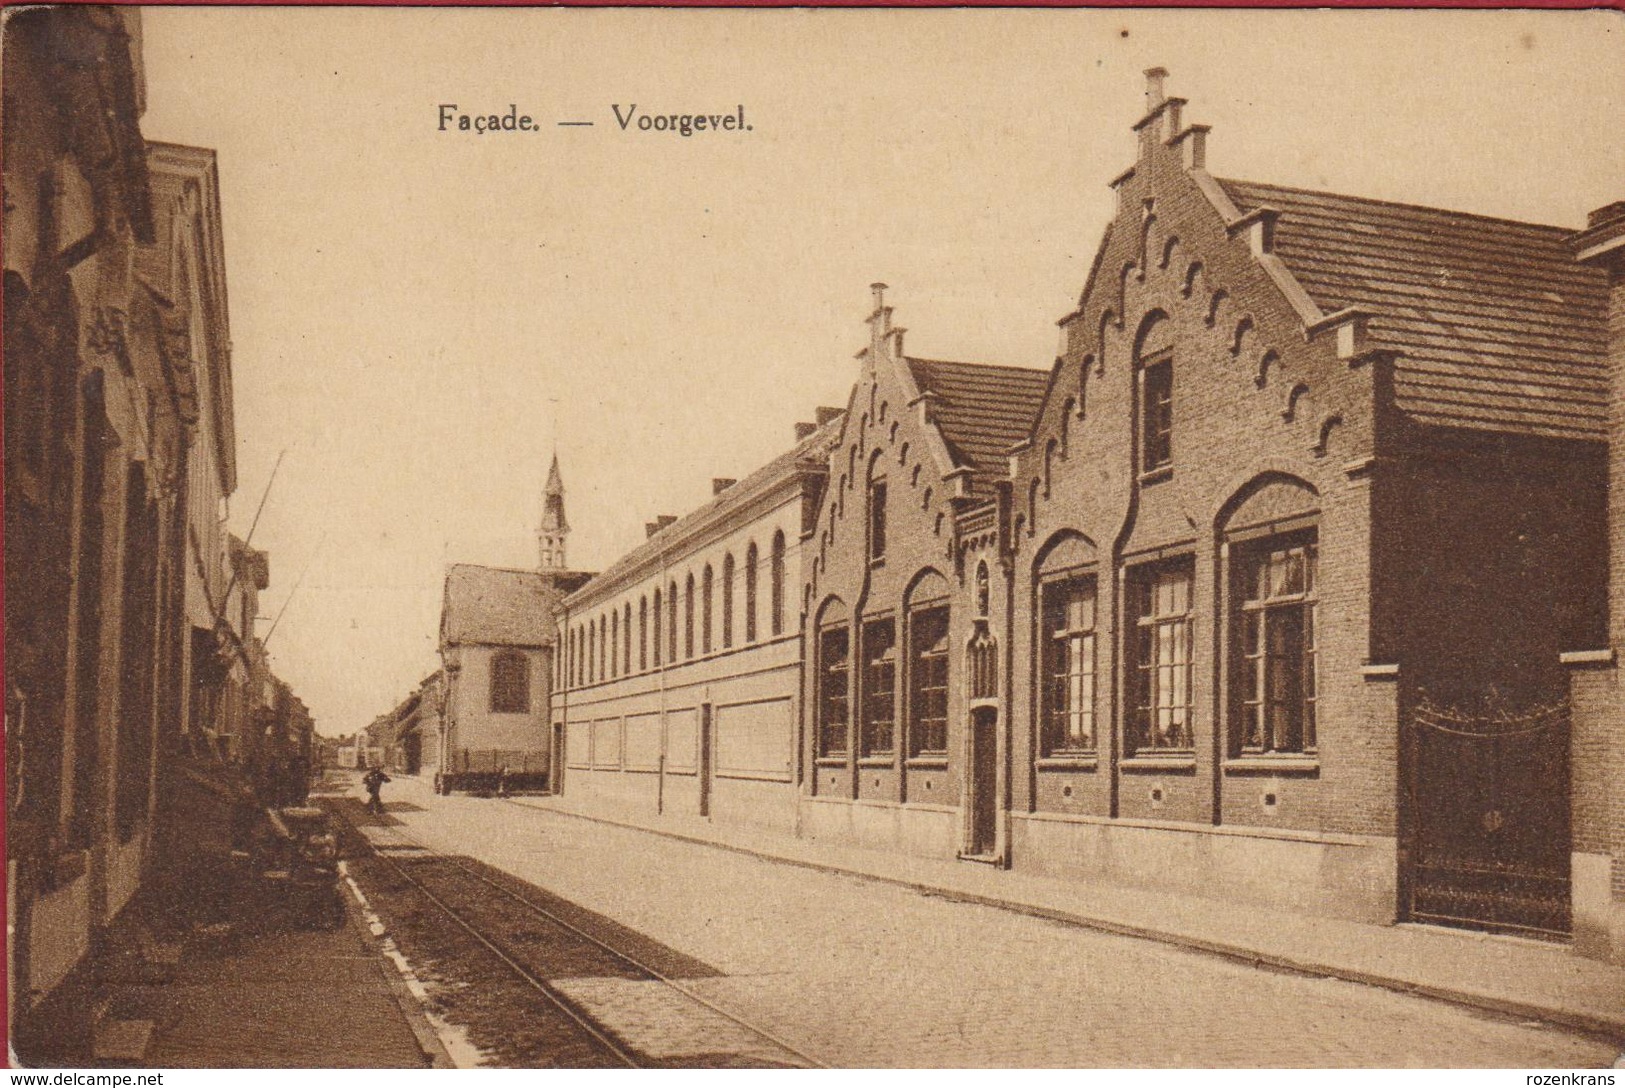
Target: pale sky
x=412 y=309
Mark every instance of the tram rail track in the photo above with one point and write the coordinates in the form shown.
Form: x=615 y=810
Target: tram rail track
x=434 y=875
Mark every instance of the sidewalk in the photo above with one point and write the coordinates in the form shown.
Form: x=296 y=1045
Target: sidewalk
x=1513 y=976
x=219 y=978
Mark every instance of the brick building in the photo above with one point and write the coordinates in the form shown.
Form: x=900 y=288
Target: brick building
x=905 y=603
x=1275 y=597
x=677 y=687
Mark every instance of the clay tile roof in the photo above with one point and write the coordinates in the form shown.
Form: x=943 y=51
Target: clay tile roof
x=982 y=411
x=497 y=605
x=1498 y=326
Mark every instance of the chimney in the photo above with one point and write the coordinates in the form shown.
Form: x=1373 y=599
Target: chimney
x=805 y=431
x=828 y=415
x=1153 y=87
x=879 y=322
x=650 y=528
x=719 y=484
x=664 y=520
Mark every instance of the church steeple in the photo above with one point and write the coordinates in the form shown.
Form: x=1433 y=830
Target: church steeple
x=555 y=528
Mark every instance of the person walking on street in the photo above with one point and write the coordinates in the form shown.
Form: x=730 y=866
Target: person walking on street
x=374 y=781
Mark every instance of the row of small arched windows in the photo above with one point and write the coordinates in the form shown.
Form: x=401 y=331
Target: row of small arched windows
x=603 y=648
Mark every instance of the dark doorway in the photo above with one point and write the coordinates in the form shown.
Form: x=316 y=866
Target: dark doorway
x=1489 y=838
x=412 y=752
x=983 y=781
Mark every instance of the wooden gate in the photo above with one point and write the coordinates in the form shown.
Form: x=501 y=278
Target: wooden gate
x=1489 y=838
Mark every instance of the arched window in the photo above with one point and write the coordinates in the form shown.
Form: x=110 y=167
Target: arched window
x=626 y=639
x=834 y=678
x=510 y=683
x=927 y=696
x=656 y=631
x=727 y=600
x=1067 y=651
x=671 y=621
x=1154 y=357
x=688 y=617
x=1272 y=547
x=603 y=648
x=706 y=611
x=750 y=592
x=592 y=650
x=643 y=631
x=776 y=584
x=613 y=659
x=877 y=732
x=877 y=511
x=1158 y=650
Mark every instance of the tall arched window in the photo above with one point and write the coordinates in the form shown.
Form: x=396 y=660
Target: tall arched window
x=877 y=510
x=688 y=617
x=614 y=643
x=1271 y=551
x=510 y=683
x=776 y=584
x=603 y=648
x=1066 y=651
x=750 y=592
x=626 y=639
x=926 y=717
x=706 y=611
x=671 y=621
x=834 y=679
x=643 y=632
x=727 y=600
x=1155 y=358
x=656 y=631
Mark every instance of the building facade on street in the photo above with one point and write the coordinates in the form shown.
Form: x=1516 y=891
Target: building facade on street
x=1288 y=583
x=131 y=653
x=677 y=687
x=497 y=643
x=1311 y=513
x=905 y=603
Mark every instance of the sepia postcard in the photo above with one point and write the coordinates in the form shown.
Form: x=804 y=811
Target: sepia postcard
x=806 y=538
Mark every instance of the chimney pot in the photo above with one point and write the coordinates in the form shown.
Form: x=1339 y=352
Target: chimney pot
x=1153 y=87
x=665 y=520
x=719 y=484
x=825 y=415
x=805 y=430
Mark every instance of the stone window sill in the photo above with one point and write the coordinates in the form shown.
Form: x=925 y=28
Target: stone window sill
x=879 y=759
x=1068 y=763
x=1170 y=762
x=927 y=762
x=1282 y=764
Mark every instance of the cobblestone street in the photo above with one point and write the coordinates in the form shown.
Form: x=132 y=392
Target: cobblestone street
x=857 y=973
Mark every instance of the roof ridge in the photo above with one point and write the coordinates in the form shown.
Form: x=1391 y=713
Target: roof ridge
x=1044 y=373
x=1400 y=204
